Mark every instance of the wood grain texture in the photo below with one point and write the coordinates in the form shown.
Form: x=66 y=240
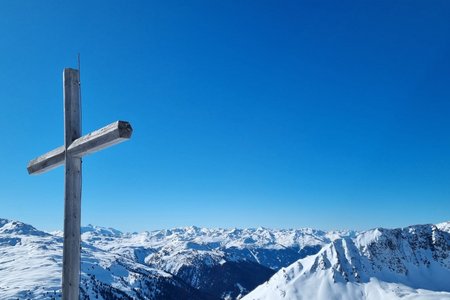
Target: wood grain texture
x=107 y=136
x=47 y=162
x=72 y=188
x=70 y=155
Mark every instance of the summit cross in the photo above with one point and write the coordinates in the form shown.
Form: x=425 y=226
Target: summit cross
x=75 y=147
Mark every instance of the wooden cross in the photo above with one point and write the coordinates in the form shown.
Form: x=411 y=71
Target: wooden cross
x=75 y=146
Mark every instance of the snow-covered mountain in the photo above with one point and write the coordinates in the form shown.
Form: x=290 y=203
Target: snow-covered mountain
x=224 y=263
x=31 y=265
x=181 y=263
x=408 y=263
x=201 y=263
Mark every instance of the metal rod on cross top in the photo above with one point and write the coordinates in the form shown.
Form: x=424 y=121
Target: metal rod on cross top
x=75 y=147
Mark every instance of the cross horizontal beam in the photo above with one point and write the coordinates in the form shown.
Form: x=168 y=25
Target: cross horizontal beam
x=109 y=135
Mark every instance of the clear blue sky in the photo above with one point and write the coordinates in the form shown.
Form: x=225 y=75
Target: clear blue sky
x=245 y=113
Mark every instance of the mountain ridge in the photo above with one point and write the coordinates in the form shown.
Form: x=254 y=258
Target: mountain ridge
x=182 y=262
x=200 y=263
x=376 y=264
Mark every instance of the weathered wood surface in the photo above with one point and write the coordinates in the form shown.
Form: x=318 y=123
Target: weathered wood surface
x=107 y=136
x=74 y=148
x=48 y=161
x=72 y=188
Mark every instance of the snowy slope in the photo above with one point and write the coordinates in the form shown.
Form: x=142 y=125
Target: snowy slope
x=225 y=263
x=180 y=263
x=31 y=263
x=201 y=263
x=234 y=244
x=408 y=263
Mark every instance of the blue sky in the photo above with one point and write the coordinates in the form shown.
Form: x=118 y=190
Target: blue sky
x=331 y=114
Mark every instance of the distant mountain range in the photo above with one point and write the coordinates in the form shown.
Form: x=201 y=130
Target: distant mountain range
x=201 y=263
x=407 y=263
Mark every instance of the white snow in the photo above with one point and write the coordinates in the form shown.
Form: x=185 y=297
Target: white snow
x=409 y=263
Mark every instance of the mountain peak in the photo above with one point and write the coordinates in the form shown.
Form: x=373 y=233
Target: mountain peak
x=228 y=263
x=19 y=228
x=98 y=230
x=375 y=261
x=444 y=226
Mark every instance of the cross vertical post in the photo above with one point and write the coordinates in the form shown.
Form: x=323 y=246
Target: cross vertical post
x=70 y=154
x=72 y=187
